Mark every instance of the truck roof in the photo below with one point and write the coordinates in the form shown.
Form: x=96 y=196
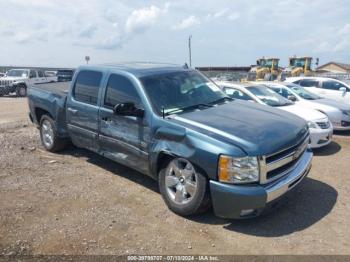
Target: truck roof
x=140 y=69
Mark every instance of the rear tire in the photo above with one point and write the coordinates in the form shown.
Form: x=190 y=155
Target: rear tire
x=184 y=190
x=21 y=91
x=49 y=137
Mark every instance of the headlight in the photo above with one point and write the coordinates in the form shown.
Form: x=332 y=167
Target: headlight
x=346 y=112
x=238 y=170
x=311 y=124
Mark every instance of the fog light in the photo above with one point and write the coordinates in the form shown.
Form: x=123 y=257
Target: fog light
x=247 y=212
x=345 y=123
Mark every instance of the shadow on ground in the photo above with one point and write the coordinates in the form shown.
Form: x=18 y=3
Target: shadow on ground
x=114 y=167
x=298 y=210
x=328 y=150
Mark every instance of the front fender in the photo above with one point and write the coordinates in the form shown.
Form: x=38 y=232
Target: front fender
x=200 y=150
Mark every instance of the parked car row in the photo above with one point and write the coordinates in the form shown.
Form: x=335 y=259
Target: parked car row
x=18 y=80
x=177 y=126
x=320 y=128
x=325 y=87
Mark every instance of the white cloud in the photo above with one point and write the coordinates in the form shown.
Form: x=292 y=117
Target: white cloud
x=233 y=16
x=111 y=42
x=187 y=22
x=87 y=31
x=23 y=38
x=218 y=14
x=141 y=19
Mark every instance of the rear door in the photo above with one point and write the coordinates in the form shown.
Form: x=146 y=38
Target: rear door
x=331 y=88
x=82 y=109
x=41 y=77
x=123 y=138
x=33 y=77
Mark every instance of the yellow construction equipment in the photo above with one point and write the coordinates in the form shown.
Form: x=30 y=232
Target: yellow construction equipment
x=300 y=66
x=266 y=69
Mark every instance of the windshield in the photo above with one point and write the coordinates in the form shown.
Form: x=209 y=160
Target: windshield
x=302 y=92
x=269 y=63
x=65 y=72
x=174 y=92
x=300 y=62
x=268 y=96
x=17 y=73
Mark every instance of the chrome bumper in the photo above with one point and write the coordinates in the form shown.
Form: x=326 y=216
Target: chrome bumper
x=289 y=181
x=230 y=200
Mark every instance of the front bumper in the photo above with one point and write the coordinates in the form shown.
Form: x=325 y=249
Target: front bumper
x=320 y=137
x=245 y=201
x=341 y=125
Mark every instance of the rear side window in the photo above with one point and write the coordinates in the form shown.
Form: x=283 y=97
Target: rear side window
x=332 y=85
x=120 y=90
x=87 y=86
x=308 y=83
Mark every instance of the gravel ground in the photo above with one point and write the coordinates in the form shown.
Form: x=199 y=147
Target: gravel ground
x=77 y=203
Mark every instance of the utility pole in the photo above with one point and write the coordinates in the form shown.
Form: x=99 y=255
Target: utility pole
x=190 y=49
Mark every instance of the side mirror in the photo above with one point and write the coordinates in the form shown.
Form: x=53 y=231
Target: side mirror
x=128 y=109
x=343 y=90
x=292 y=98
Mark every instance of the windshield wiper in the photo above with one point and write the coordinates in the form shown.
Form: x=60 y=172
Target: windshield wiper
x=223 y=99
x=187 y=108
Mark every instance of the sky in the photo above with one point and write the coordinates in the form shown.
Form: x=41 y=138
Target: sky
x=224 y=33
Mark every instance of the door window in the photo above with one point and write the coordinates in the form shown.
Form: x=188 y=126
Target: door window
x=235 y=93
x=87 y=86
x=332 y=85
x=309 y=83
x=32 y=74
x=40 y=74
x=120 y=90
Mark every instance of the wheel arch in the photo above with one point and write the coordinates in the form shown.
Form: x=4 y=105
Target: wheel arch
x=39 y=112
x=164 y=157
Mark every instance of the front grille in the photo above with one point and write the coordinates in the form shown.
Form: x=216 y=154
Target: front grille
x=279 y=164
x=4 y=82
x=323 y=125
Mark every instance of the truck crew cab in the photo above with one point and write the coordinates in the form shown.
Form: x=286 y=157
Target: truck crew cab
x=175 y=125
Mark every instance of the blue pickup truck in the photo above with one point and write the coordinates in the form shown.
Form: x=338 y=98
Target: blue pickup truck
x=172 y=123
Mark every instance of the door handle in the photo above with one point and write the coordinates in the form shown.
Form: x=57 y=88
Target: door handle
x=73 y=111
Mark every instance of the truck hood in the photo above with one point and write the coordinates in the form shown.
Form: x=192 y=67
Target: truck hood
x=304 y=112
x=256 y=129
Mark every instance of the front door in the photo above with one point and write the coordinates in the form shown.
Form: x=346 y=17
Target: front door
x=123 y=138
x=82 y=110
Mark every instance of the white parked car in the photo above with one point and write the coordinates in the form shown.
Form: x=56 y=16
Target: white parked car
x=325 y=87
x=51 y=76
x=18 y=80
x=321 y=129
x=337 y=112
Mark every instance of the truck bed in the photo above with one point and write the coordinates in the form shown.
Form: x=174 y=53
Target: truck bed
x=58 y=88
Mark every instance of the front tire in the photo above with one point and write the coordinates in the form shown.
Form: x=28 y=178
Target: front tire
x=184 y=190
x=49 y=137
x=21 y=91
